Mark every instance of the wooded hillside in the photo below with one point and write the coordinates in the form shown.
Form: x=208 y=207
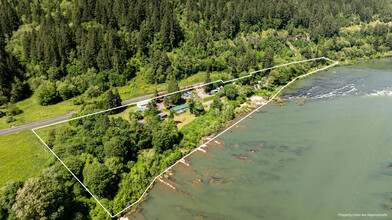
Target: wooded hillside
x=75 y=45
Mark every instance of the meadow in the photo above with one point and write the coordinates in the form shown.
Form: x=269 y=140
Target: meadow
x=21 y=156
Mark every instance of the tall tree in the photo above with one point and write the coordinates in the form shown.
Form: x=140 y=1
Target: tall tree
x=40 y=199
x=172 y=86
x=112 y=99
x=99 y=180
x=268 y=60
x=8 y=198
x=208 y=87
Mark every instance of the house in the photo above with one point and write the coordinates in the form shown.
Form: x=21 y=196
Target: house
x=162 y=115
x=180 y=108
x=143 y=104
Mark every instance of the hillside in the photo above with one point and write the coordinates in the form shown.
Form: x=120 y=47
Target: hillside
x=59 y=56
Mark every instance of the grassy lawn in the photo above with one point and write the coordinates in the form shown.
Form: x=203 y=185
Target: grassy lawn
x=32 y=111
x=21 y=156
x=125 y=113
x=137 y=87
x=185 y=118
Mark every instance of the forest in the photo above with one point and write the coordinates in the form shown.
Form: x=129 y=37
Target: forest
x=61 y=50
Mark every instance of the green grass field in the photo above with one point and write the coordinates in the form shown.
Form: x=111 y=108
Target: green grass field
x=137 y=87
x=21 y=156
x=32 y=111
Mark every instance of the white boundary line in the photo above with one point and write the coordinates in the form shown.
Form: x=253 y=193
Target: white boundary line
x=201 y=146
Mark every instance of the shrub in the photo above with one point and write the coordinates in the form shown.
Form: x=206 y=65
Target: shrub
x=230 y=91
x=10 y=119
x=13 y=110
x=66 y=89
x=93 y=91
x=136 y=114
x=47 y=93
x=78 y=101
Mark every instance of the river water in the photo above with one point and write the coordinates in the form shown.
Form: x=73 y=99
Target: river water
x=321 y=160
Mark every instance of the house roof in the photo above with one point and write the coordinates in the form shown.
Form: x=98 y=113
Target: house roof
x=162 y=114
x=179 y=107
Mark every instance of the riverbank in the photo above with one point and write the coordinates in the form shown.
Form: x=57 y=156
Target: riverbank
x=232 y=123
x=344 y=138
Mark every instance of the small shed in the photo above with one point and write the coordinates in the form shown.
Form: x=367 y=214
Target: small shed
x=143 y=104
x=162 y=115
x=180 y=108
x=212 y=92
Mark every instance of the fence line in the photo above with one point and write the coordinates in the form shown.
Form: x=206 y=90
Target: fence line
x=202 y=145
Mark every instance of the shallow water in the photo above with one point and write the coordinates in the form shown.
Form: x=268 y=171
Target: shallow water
x=329 y=156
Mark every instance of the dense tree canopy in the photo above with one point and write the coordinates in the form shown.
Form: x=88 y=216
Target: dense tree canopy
x=85 y=44
x=58 y=50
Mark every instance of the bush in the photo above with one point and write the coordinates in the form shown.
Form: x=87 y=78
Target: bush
x=230 y=91
x=47 y=93
x=10 y=119
x=93 y=91
x=136 y=114
x=13 y=110
x=78 y=101
x=220 y=94
x=66 y=89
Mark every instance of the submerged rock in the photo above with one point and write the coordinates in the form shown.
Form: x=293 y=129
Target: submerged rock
x=216 y=180
x=244 y=158
x=242 y=127
x=297 y=152
x=236 y=145
x=199 y=217
x=197 y=182
x=253 y=151
x=301 y=103
x=283 y=148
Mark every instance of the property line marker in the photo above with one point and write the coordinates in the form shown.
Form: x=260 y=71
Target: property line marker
x=200 y=148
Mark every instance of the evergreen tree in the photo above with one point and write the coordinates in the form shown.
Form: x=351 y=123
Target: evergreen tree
x=112 y=99
x=172 y=86
x=152 y=109
x=376 y=44
x=207 y=88
x=268 y=60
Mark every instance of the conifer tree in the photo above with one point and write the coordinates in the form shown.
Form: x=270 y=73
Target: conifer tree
x=208 y=87
x=172 y=86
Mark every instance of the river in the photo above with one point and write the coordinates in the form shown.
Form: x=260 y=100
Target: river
x=329 y=157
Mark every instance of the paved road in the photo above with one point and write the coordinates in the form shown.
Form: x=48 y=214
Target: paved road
x=36 y=124
x=32 y=125
x=137 y=99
